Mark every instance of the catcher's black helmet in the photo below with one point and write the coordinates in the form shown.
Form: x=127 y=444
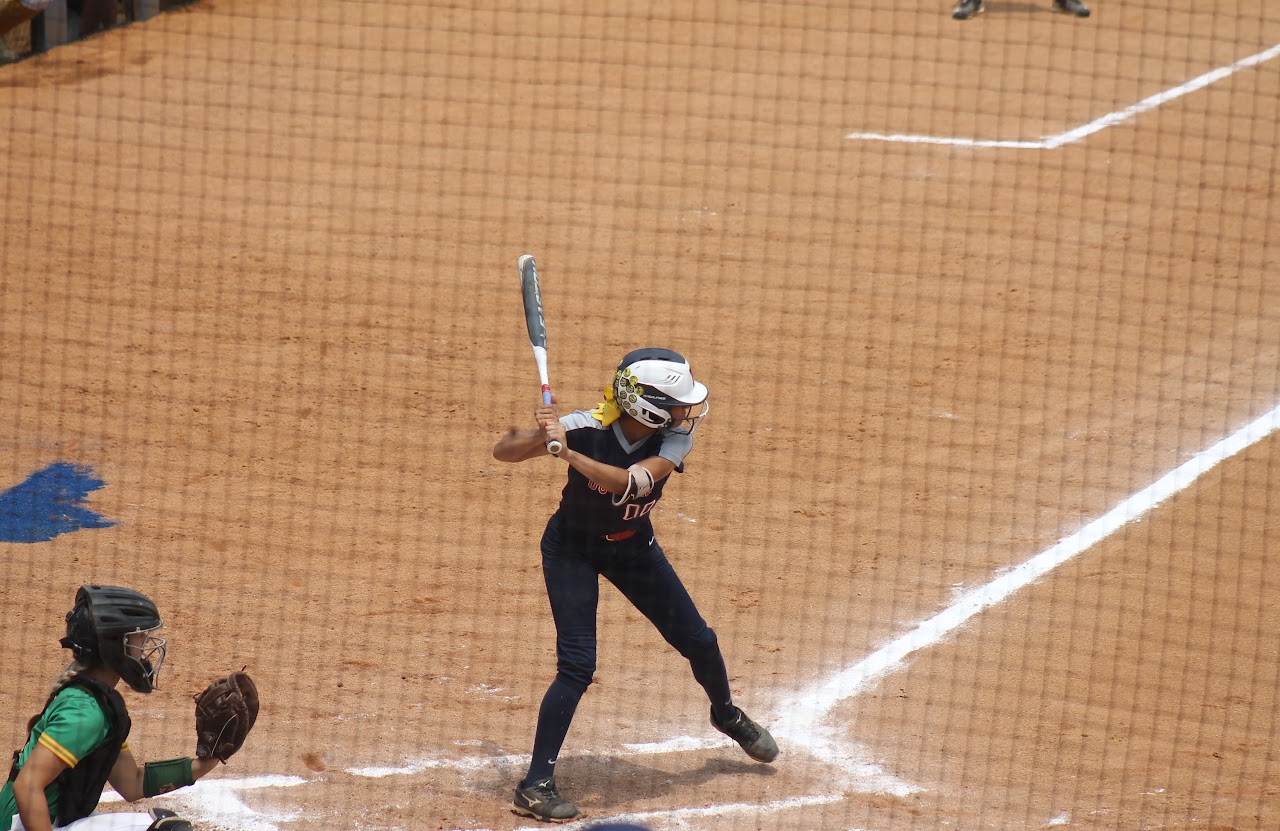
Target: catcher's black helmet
x=98 y=628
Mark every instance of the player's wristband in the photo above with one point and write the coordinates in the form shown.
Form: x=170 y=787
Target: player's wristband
x=169 y=775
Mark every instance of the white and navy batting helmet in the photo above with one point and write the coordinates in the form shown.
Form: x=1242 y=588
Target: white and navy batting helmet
x=650 y=382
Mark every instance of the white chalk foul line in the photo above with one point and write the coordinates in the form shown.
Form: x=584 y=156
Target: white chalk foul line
x=468 y=764
x=907 y=138
x=1109 y=120
x=804 y=715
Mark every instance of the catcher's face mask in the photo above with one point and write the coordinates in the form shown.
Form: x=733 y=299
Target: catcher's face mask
x=143 y=657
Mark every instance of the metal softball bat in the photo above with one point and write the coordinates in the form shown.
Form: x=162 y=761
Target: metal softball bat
x=537 y=326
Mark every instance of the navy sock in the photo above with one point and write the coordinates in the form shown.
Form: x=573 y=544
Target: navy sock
x=554 y=718
x=709 y=671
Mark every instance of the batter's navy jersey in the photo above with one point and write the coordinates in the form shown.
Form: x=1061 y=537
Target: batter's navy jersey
x=588 y=508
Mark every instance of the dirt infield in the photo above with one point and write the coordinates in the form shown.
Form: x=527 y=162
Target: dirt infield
x=257 y=267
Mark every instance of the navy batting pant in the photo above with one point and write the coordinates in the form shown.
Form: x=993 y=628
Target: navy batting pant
x=571 y=567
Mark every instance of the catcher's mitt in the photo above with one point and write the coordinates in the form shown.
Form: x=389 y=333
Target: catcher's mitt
x=225 y=713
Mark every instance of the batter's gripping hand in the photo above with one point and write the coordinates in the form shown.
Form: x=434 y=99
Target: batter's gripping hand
x=225 y=713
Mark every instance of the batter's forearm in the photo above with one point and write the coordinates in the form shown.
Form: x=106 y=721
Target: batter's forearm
x=518 y=445
x=613 y=479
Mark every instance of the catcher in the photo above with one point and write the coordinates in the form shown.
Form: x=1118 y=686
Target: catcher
x=79 y=742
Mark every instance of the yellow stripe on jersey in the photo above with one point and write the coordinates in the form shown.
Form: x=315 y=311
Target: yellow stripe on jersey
x=67 y=757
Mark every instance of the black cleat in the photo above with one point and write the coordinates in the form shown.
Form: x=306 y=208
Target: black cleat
x=753 y=738
x=966 y=9
x=1074 y=7
x=542 y=801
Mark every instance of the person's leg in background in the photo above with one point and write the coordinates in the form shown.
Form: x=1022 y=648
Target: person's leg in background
x=966 y=9
x=13 y=13
x=96 y=15
x=1072 y=7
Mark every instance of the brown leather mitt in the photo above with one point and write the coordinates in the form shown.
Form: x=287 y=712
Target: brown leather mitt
x=225 y=713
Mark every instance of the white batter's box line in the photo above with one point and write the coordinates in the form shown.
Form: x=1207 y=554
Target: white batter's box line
x=679 y=744
x=216 y=802
x=251 y=783
x=1097 y=125
x=682 y=815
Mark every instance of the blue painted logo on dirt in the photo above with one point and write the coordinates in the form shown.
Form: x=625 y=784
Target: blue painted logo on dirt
x=49 y=503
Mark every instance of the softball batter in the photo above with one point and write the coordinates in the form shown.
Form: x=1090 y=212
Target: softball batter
x=78 y=743
x=620 y=458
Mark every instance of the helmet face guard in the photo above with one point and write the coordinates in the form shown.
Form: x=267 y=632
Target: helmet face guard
x=688 y=423
x=140 y=662
x=656 y=388
x=114 y=627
